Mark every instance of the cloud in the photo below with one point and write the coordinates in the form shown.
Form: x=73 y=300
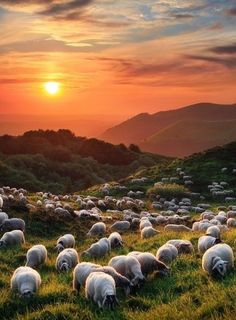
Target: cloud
x=226 y=49
x=60 y=8
x=229 y=62
x=231 y=12
x=183 y=16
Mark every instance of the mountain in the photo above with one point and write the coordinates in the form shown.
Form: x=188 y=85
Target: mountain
x=144 y=129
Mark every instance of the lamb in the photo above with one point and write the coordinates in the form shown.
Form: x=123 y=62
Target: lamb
x=206 y=242
x=13 y=224
x=129 y=267
x=15 y=237
x=120 y=226
x=218 y=259
x=3 y=216
x=66 y=241
x=183 y=246
x=26 y=281
x=100 y=287
x=177 y=228
x=98 y=229
x=83 y=270
x=149 y=263
x=67 y=259
x=148 y=232
x=167 y=253
x=213 y=231
x=36 y=256
x=115 y=240
x=98 y=249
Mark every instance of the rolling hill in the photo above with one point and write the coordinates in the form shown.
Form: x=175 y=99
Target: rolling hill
x=159 y=132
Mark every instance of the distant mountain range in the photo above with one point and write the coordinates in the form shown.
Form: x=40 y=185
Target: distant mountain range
x=179 y=132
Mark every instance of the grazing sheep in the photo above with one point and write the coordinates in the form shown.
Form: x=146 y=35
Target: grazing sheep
x=100 y=287
x=206 y=242
x=218 y=259
x=213 y=231
x=15 y=237
x=177 y=228
x=3 y=216
x=36 y=256
x=144 y=223
x=67 y=259
x=148 y=232
x=183 y=246
x=1 y=202
x=120 y=226
x=231 y=223
x=66 y=241
x=98 y=249
x=129 y=267
x=167 y=253
x=26 y=281
x=13 y=224
x=115 y=240
x=149 y=263
x=98 y=229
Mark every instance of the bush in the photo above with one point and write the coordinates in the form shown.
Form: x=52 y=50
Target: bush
x=168 y=191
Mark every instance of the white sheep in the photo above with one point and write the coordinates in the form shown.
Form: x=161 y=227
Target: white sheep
x=1 y=202
x=148 y=232
x=206 y=242
x=13 y=224
x=67 y=259
x=98 y=229
x=36 y=256
x=129 y=267
x=98 y=249
x=167 y=253
x=66 y=241
x=115 y=240
x=213 y=231
x=183 y=246
x=120 y=226
x=3 y=216
x=100 y=287
x=218 y=259
x=177 y=228
x=149 y=263
x=26 y=281
x=144 y=223
x=15 y=237
x=231 y=223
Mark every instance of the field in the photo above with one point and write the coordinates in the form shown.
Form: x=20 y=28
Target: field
x=188 y=293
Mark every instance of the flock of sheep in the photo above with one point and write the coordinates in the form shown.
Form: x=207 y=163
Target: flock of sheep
x=130 y=271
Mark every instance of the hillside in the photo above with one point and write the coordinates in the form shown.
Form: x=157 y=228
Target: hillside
x=187 y=137
x=143 y=127
x=58 y=161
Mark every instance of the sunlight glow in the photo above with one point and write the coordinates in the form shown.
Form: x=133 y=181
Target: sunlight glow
x=51 y=87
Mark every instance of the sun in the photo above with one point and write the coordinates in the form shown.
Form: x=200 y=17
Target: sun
x=52 y=87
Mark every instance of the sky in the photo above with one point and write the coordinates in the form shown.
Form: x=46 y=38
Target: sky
x=114 y=59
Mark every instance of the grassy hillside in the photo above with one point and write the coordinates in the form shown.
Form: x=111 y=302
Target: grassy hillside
x=187 y=137
x=188 y=293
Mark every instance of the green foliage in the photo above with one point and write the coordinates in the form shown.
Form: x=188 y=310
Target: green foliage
x=168 y=191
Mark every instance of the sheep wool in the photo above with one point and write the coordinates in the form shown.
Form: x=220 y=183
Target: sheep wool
x=36 y=256
x=66 y=241
x=11 y=238
x=67 y=259
x=98 y=229
x=167 y=253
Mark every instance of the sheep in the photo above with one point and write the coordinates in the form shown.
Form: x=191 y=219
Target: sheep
x=1 y=202
x=149 y=263
x=3 y=216
x=213 y=231
x=36 y=256
x=129 y=267
x=144 y=223
x=98 y=229
x=66 y=241
x=206 y=242
x=218 y=259
x=13 y=224
x=98 y=249
x=15 y=237
x=177 y=228
x=115 y=240
x=67 y=259
x=83 y=270
x=167 y=253
x=183 y=246
x=100 y=287
x=148 y=232
x=231 y=223
x=120 y=226
x=26 y=281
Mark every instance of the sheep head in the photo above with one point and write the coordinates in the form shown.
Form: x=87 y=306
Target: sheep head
x=161 y=268
x=109 y=302
x=59 y=247
x=219 y=267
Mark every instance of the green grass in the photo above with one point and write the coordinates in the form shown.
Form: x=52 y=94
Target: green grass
x=188 y=293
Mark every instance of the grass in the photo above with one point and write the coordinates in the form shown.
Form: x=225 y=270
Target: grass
x=188 y=293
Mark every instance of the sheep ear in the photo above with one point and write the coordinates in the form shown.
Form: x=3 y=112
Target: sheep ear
x=217 y=265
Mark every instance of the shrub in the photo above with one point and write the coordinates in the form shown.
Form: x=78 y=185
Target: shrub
x=168 y=191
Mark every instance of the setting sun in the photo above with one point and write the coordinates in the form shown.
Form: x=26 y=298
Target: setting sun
x=51 y=87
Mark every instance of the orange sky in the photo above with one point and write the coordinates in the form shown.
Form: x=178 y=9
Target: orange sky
x=115 y=58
